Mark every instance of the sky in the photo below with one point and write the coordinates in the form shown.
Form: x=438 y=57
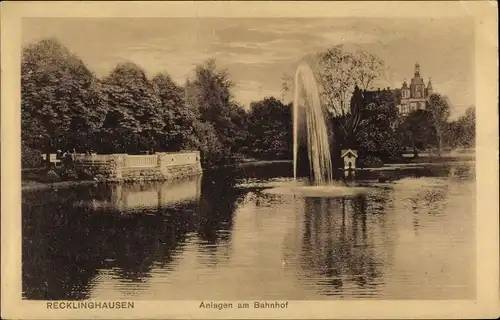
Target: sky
x=257 y=51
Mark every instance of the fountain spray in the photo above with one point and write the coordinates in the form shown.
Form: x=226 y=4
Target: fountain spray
x=318 y=148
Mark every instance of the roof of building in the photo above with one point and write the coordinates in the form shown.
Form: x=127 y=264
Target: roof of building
x=347 y=152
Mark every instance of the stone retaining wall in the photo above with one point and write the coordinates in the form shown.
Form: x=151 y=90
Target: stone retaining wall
x=157 y=167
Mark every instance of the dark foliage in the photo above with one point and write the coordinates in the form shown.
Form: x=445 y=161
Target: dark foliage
x=30 y=158
x=270 y=129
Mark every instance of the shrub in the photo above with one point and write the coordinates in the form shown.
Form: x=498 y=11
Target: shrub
x=31 y=158
x=370 y=162
x=69 y=174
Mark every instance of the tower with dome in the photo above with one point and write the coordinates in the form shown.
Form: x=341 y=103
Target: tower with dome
x=415 y=95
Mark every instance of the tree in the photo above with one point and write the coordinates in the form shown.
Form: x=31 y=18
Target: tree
x=348 y=123
x=462 y=132
x=178 y=117
x=376 y=135
x=210 y=90
x=205 y=139
x=452 y=134
x=60 y=97
x=210 y=95
x=417 y=131
x=270 y=129
x=341 y=71
x=237 y=128
x=439 y=109
x=467 y=123
x=135 y=117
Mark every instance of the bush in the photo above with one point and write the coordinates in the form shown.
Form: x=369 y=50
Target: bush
x=370 y=162
x=31 y=158
x=68 y=174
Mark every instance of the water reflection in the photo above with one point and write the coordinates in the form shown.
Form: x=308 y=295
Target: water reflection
x=337 y=250
x=141 y=196
x=210 y=238
x=70 y=236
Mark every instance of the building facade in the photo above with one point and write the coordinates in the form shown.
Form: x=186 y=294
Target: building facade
x=415 y=95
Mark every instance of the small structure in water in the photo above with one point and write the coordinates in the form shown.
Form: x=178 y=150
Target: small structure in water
x=349 y=156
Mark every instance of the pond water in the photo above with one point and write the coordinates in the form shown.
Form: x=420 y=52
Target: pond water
x=223 y=236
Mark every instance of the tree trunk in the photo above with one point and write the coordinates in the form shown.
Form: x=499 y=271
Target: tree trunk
x=438 y=138
x=439 y=142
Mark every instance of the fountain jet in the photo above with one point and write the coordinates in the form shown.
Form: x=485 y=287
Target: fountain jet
x=318 y=147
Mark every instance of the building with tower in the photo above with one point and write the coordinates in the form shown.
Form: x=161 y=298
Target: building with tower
x=415 y=95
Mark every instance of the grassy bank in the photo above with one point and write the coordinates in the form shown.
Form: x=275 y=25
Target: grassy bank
x=441 y=159
x=253 y=162
x=53 y=178
x=35 y=185
x=400 y=166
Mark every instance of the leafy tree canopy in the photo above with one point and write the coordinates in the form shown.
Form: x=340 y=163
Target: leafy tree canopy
x=60 y=95
x=417 y=131
x=270 y=129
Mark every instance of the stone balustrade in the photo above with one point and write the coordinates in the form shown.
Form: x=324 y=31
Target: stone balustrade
x=159 y=166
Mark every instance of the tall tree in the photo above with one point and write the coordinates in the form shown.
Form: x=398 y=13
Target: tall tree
x=340 y=72
x=468 y=124
x=439 y=109
x=236 y=130
x=270 y=129
x=135 y=116
x=210 y=94
x=417 y=131
x=211 y=90
x=61 y=99
x=377 y=129
x=462 y=132
x=178 y=117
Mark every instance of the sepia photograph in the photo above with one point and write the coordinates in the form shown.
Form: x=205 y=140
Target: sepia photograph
x=246 y=162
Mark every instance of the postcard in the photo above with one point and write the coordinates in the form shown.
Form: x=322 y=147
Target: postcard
x=249 y=160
